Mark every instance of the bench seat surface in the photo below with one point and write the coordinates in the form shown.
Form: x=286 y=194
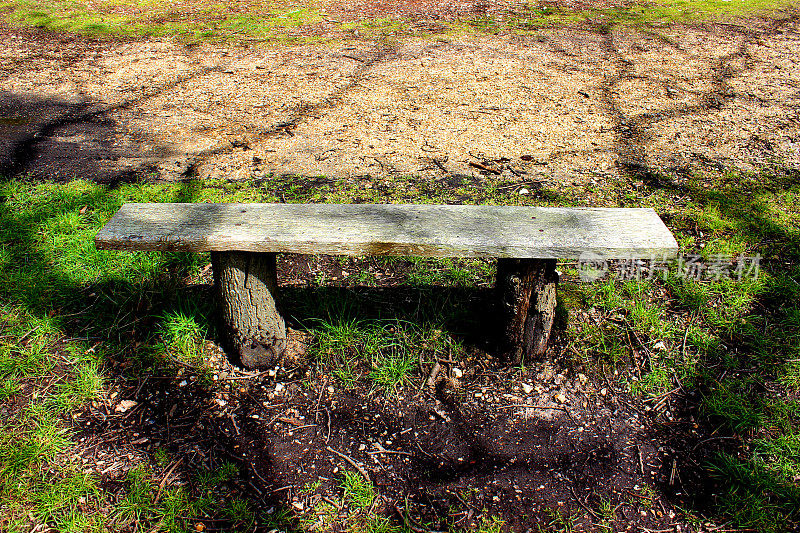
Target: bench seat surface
x=368 y=229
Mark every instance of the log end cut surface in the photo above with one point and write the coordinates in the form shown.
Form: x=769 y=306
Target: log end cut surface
x=362 y=229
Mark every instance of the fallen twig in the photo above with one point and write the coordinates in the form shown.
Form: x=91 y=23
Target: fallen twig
x=230 y=415
x=432 y=377
x=328 y=426
x=22 y=339
x=243 y=375
x=712 y=439
x=381 y=450
x=528 y=406
x=166 y=478
x=586 y=507
x=641 y=461
x=484 y=167
x=332 y=502
x=303 y=427
x=398 y=452
x=352 y=462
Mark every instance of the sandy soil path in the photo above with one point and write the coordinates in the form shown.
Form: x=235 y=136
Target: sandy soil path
x=563 y=105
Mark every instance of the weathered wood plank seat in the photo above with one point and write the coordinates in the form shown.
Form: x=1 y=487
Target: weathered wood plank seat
x=245 y=238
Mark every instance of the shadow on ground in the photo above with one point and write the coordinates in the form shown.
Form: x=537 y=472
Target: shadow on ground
x=446 y=449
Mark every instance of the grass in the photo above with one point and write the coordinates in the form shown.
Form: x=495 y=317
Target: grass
x=387 y=353
x=187 y=21
x=69 y=312
x=74 y=320
x=53 y=282
x=536 y=16
x=720 y=337
x=183 y=331
x=358 y=498
x=272 y=21
x=358 y=492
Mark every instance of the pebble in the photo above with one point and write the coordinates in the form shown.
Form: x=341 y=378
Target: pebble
x=526 y=388
x=125 y=405
x=457 y=372
x=523 y=191
x=331 y=389
x=603 y=391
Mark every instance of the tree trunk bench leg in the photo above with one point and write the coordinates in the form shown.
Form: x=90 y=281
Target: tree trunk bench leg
x=246 y=284
x=527 y=296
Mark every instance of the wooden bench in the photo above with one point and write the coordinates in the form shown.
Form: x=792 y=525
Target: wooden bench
x=244 y=239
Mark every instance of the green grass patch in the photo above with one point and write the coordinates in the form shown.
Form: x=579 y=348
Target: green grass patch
x=725 y=333
x=276 y=22
x=383 y=353
x=69 y=312
x=535 y=16
x=357 y=491
x=190 y=22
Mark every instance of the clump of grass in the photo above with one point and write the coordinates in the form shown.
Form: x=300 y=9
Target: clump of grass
x=81 y=386
x=559 y=521
x=755 y=497
x=220 y=23
x=386 y=352
x=358 y=492
x=534 y=16
x=393 y=371
x=183 y=332
x=491 y=524
x=451 y=272
x=173 y=508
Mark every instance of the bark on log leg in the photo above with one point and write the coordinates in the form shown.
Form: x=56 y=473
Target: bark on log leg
x=246 y=284
x=527 y=296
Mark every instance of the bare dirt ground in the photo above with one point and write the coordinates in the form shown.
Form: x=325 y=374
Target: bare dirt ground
x=566 y=106
x=562 y=106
